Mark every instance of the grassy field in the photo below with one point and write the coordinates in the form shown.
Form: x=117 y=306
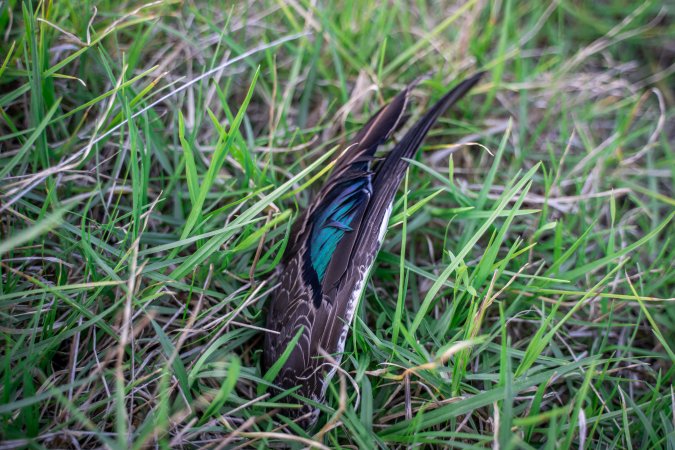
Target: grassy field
x=152 y=159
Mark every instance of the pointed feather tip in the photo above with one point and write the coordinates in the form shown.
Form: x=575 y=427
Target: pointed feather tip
x=475 y=78
x=411 y=141
x=465 y=85
x=425 y=76
x=469 y=82
x=450 y=98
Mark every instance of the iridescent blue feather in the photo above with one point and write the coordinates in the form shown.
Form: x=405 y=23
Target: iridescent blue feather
x=331 y=221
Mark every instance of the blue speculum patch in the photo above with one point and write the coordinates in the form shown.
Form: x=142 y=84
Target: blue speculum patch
x=334 y=220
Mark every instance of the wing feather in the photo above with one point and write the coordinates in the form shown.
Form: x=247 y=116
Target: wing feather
x=335 y=241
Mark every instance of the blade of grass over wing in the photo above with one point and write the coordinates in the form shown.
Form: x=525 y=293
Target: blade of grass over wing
x=273 y=371
x=402 y=272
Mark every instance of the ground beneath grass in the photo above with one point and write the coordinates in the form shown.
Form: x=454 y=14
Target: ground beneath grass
x=154 y=155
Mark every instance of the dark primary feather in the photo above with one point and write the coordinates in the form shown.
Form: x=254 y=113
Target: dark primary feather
x=333 y=245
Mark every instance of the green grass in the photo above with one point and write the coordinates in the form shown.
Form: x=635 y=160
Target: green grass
x=153 y=158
